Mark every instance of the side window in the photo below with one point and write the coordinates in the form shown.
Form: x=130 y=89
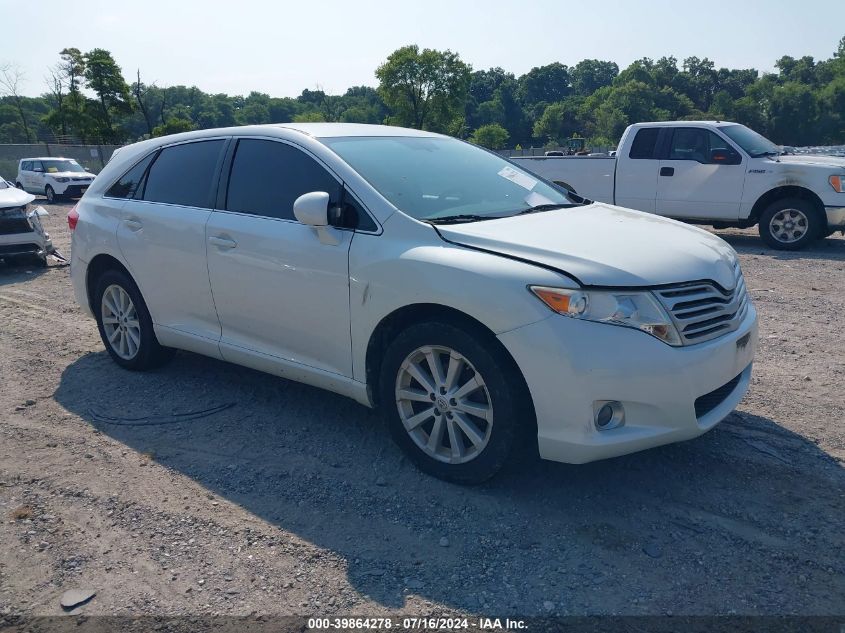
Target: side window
x=267 y=176
x=644 y=143
x=351 y=215
x=130 y=184
x=184 y=174
x=37 y=166
x=698 y=145
x=26 y=166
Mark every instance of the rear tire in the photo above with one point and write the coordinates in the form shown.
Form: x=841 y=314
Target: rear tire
x=462 y=424
x=19 y=186
x=125 y=325
x=790 y=224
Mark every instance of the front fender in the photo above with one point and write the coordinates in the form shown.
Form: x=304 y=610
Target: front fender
x=390 y=273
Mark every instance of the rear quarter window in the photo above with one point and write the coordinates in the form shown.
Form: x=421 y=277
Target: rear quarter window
x=130 y=184
x=644 y=143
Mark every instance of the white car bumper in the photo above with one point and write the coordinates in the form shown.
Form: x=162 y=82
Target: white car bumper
x=31 y=243
x=570 y=365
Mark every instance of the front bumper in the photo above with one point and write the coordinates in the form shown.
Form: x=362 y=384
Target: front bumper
x=24 y=244
x=71 y=189
x=835 y=217
x=570 y=365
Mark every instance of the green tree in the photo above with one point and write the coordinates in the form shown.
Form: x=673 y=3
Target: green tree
x=559 y=121
x=492 y=136
x=104 y=77
x=173 y=126
x=544 y=85
x=425 y=89
x=589 y=75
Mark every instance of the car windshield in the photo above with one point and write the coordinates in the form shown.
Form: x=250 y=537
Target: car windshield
x=56 y=166
x=4 y=184
x=756 y=145
x=444 y=179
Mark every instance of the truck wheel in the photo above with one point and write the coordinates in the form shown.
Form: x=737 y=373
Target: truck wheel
x=790 y=224
x=452 y=402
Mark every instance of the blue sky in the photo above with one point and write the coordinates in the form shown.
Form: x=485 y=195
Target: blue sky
x=280 y=47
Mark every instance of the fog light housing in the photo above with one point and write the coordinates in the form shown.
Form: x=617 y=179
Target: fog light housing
x=608 y=414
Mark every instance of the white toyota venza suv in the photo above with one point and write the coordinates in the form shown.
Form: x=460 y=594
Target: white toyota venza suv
x=477 y=305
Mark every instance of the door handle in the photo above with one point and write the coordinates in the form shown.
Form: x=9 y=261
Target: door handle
x=133 y=225
x=222 y=242
x=667 y=171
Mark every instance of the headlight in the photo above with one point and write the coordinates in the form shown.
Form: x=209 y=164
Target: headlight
x=637 y=309
x=838 y=183
x=62 y=179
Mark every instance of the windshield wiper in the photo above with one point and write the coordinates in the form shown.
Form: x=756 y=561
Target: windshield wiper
x=543 y=207
x=458 y=219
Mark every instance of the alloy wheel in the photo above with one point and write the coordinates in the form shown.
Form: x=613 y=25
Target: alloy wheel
x=120 y=322
x=444 y=404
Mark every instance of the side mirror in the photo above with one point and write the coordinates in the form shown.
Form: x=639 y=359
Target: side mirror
x=724 y=157
x=312 y=209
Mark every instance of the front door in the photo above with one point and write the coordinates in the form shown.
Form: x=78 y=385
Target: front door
x=280 y=292
x=701 y=177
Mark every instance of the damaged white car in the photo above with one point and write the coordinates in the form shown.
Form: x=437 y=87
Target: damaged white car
x=21 y=234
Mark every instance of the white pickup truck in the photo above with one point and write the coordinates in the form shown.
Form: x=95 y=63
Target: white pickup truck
x=711 y=172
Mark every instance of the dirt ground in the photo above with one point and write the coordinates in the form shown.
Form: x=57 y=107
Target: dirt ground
x=294 y=501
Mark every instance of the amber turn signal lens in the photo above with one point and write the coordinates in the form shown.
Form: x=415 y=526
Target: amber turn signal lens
x=555 y=300
x=838 y=183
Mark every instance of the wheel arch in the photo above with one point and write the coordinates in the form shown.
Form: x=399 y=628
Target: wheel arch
x=96 y=267
x=785 y=191
x=400 y=319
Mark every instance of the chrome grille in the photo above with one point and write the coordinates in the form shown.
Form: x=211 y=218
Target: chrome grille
x=703 y=310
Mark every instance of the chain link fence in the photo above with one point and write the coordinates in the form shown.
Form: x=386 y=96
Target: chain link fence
x=93 y=157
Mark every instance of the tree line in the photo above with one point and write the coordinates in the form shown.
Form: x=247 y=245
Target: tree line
x=88 y=99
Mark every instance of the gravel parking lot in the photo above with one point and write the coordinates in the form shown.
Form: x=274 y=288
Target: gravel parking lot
x=290 y=500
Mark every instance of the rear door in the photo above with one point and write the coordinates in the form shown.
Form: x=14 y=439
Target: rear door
x=636 y=173
x=280 y=292
x=162 y=237
x=694 y=184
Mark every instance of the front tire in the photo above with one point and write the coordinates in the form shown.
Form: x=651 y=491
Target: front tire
x=790 y=224
x=50 y=194
x=125 y=325
x=452 y=401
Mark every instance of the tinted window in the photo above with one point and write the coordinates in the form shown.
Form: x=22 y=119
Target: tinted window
x=184 y=174
x=268 y=176
x=695 y=144
x=26 y=166
x=129 y=184
x=644 y=142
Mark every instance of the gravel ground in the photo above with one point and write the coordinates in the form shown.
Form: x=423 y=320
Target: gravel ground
x=294 y=501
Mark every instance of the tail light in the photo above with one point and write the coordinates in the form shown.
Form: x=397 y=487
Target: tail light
x=73 y=218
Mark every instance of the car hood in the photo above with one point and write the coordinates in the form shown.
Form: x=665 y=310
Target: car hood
x=14 y=197
x=71 y=174
x=604 y=245
x=813 y=159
